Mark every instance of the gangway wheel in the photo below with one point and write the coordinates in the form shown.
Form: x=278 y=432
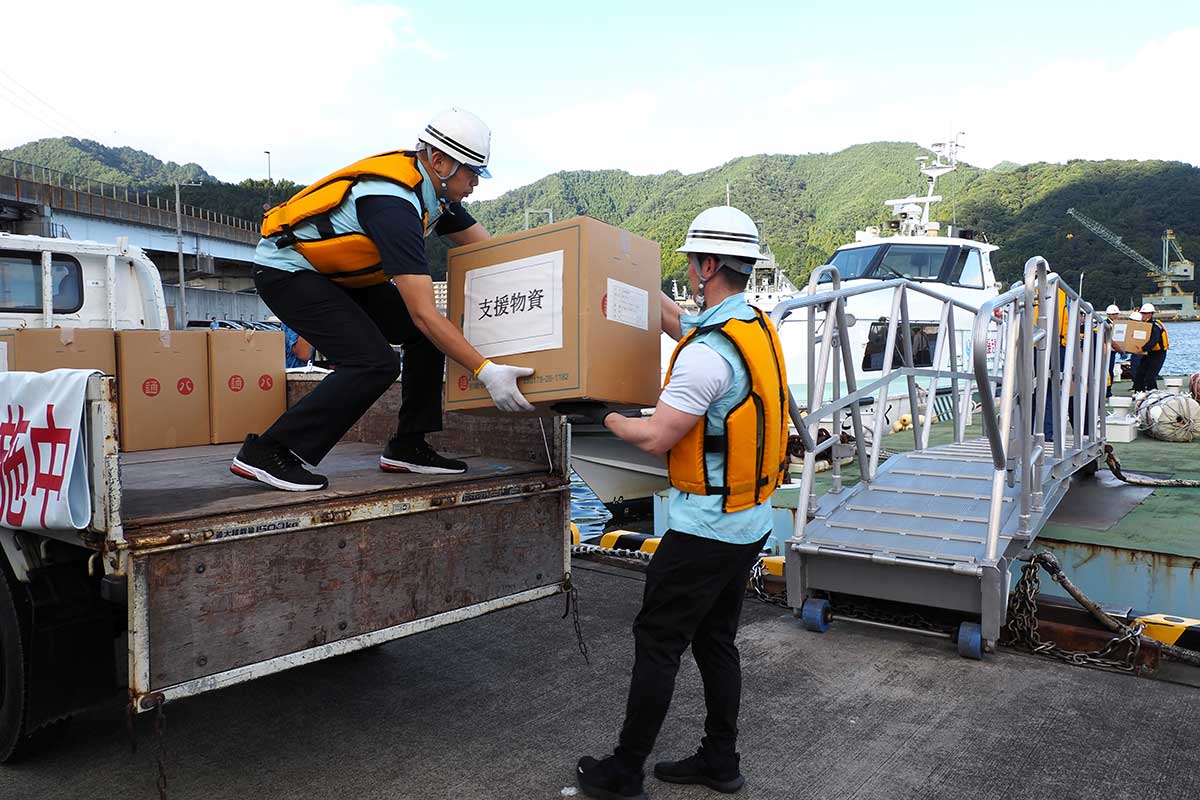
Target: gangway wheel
x=816 y=615
x=970 y=640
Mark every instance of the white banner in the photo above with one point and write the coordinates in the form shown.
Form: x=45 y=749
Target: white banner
x=515 y=307
x=43 y=469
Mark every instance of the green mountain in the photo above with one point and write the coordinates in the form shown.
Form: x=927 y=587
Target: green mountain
x=810 y=204
x=122 y=166
x=807 y=204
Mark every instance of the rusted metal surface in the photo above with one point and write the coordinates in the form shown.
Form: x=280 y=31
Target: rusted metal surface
x=212 y=609
x=1142 y=579
x=1088 y=639
x=517 y=437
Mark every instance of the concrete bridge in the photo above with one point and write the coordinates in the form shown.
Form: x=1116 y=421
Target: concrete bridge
x=218 y=249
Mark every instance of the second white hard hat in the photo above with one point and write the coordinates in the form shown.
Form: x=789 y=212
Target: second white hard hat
x=1147 y=308
x=1112 y=309
x=724 y=231
x=462 y=136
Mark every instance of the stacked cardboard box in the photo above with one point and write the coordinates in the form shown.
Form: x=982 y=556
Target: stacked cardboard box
x=576 y=300
x=44 y=349
x=247 y=383
x=162 y=389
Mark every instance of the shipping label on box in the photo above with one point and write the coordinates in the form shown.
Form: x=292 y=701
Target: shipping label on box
x=247 y=382
x=162 y=381
x=515 y=306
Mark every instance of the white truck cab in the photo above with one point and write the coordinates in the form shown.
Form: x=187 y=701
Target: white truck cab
x=47 y=283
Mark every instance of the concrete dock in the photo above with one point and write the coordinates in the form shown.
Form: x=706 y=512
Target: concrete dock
x=502 y=707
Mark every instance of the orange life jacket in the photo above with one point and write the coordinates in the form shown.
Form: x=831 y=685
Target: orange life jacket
x=754 y=442
x=348 y=259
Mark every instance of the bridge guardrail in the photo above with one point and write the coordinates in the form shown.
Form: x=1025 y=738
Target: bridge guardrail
x=31 y=183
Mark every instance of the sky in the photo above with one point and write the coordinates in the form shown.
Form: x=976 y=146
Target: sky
x=642 y=87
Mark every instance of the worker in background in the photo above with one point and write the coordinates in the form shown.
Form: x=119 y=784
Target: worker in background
x=297 y=352
x=721 y=422
x=1135 y=359
x=1154 y=353
x=1114 y=314
x=342 y=263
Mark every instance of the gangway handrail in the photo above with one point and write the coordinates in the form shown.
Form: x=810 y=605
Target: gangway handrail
x=1022 y=373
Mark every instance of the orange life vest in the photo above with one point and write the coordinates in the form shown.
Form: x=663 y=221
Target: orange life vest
x=751 y=472
x=348 y=259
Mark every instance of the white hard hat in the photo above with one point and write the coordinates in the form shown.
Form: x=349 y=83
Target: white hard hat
x=724 y=231
x=1112 y=309
x=462 y=136
x=1135 y=316
x=1147 y=308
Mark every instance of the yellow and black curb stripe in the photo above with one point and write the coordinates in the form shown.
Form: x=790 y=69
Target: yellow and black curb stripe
x=773 y=565
x=627 y=540
x=574 y=533
x=1170 y=629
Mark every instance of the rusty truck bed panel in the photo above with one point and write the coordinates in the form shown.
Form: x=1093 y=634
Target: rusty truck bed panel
x=165 y=487
x=233 y=603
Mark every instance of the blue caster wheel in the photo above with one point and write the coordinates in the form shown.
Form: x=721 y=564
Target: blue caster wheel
x=970 y=641
x=816 y=615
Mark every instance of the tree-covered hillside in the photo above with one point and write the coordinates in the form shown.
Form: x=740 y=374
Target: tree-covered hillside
x=807 y=204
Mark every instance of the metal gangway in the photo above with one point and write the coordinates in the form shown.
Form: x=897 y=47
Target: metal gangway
x=941 y=526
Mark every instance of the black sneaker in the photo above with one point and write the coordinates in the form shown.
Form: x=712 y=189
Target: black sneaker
x=268 y=462
x=417 y=456
x=698 y=769
x=608 y=780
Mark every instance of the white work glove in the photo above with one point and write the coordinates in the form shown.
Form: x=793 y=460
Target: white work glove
x=501 y=383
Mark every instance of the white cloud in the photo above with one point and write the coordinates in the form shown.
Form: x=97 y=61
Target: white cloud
x=215 y=83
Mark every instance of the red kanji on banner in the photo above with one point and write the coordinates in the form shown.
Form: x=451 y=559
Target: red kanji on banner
x=48 y=476
x=236 y=383
x=185 y=386
x=265 y=382
x=14 y=469
x=463 y=383
x=151 y=387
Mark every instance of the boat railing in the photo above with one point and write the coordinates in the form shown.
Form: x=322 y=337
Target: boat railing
x=1011 y=359
x=1032 y=380
x=829 y=356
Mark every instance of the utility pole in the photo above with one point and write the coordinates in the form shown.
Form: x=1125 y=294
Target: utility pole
x=182 y=321
x=270 y=183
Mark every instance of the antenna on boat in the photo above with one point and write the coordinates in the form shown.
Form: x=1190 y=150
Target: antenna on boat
x=727 y=202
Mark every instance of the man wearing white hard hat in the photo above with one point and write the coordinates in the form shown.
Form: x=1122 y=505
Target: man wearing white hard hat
x=1154 y=353
x=721 y=422
x=1113 y=313
x=342 y=263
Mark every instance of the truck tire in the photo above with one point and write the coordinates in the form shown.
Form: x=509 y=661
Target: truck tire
x=14 y=669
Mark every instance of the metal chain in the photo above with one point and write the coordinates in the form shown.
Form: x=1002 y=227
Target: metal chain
x=597 y=550
x=160 y=723
x=572 y=608
x=757 y=587
x=1023 y=629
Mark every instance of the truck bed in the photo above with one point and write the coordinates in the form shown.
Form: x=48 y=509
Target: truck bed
x=168 y=489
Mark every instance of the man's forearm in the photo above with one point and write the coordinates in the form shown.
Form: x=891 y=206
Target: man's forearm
x=670 y=316
x=449 y=339
x=640 y=432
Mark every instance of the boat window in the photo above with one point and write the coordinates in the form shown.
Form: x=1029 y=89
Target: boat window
x=968 y=271
x=918 y=262
x=854 y=262
x=21 y=282
x=924 y=340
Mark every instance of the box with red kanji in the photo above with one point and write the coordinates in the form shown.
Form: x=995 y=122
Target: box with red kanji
x=247 y=385
x=162 y=385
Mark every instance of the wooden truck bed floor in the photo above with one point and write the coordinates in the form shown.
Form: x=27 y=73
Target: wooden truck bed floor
x=189 y=483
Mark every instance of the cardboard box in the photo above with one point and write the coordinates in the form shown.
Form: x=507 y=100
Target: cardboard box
x=1130 y=335
x=44 y=349
x=576 y=300
x=247 y=386
x=162 y=383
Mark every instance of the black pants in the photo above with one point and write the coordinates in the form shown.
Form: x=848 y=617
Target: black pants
x=353 y=328
x=1146 y=377
x=694 y=592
